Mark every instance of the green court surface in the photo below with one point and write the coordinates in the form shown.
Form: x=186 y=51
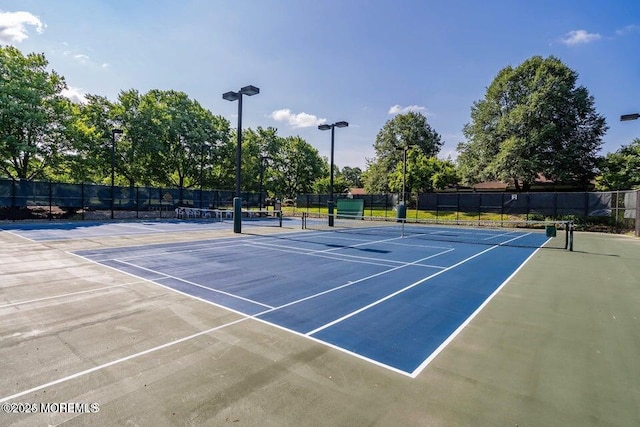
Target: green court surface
x=558 y=345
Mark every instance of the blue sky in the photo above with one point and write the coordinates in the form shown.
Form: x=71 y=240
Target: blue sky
x=326 y=61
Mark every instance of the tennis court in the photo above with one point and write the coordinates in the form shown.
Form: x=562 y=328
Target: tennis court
x=392 y=300
x=177 y=324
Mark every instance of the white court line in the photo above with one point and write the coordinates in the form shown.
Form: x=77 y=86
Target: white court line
x=117 y=361
x=373 y=304
x=455 y=333
x=379 y=262
x=341 y=257
x=19 y=235
x=66 y=295
x=351 y=283
x=161 y=251
x=168 y=276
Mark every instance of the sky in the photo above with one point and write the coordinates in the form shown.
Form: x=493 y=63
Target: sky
x=315 y=62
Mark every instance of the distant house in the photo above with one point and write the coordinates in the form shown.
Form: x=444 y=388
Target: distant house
x=541 y=184
x=356 y=191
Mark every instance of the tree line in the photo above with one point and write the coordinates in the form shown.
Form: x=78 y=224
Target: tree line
x=534 y=120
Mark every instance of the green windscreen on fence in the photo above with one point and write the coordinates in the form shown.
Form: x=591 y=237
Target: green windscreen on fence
x=350 y=208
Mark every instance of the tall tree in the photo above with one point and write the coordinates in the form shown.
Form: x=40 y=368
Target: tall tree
x=533 y=120
x=178 y=132
x=33 y=114
x=621 y=170
x=404 y=130
x=424 y=174
x=296 y=166
x=352 y=176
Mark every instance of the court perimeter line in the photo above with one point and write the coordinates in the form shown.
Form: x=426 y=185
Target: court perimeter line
x=373 y=304
x=117 y=361
x=169 y=276
x=455 y=333
x=18 y=235
x=69 y=294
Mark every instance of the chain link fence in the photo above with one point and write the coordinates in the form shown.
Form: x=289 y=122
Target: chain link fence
x=603 y=211
x=52 y=200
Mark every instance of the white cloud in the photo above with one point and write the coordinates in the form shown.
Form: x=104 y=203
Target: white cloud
x=576 y=37
x=629 y=29
x=397 y=109
x=300 y=120
x=12 y=26
x=81 y=58
x=75 y=94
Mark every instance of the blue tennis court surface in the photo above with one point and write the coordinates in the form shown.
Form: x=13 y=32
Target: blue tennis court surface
x=394 y=301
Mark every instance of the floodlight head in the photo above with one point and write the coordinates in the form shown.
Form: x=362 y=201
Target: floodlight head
x=231 y=96
x=341 y=124
x=324 y=127
x=626 y=117
x=250 y=90
x=116 y=131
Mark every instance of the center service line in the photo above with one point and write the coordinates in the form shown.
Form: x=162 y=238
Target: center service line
x=360 y=310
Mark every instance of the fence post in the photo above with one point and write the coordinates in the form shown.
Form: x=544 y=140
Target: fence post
x=586 y=206
x=84 y=205
x=50 y=200
x=371 y=205
x=638 y=213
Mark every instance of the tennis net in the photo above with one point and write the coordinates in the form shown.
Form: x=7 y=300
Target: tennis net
x=520 y=233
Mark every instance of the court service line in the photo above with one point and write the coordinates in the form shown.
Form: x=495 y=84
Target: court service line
x=169 y=276
x=118 y=361
x=379 y=262
x=349 y=284
x=68 y=294
x=381 y=300
x=341 y=257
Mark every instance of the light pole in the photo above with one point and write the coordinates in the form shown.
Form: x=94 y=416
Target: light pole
x=237 y=201
x=341 y=124
x=262 y=159
x=624 y=118
x=114 y=132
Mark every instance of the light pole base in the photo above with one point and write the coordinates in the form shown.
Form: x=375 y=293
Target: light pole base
x=237 y=215
x=330 y=205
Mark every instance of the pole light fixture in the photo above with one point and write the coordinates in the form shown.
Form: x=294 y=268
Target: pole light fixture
x=627 y=117
x=237 y=202
x=330 y=204
x=114 y=132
